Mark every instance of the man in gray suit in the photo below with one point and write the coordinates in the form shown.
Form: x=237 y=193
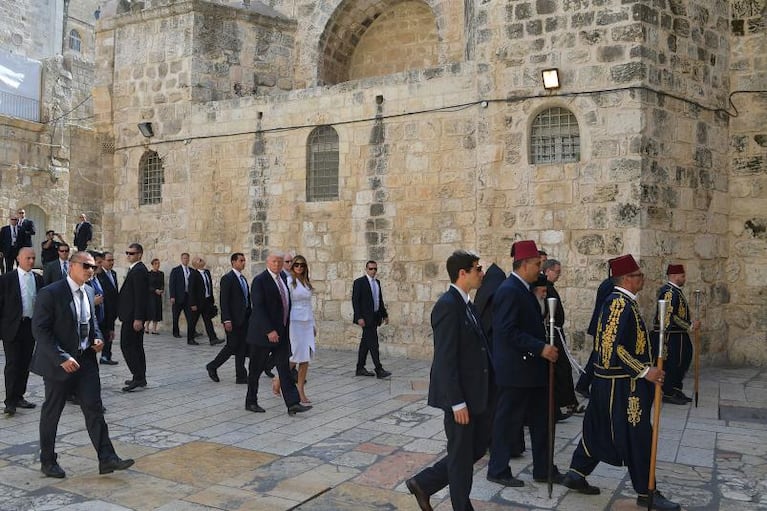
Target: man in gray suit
x=68 y=339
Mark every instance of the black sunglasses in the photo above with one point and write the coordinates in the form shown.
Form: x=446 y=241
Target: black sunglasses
x=87 y=266
x=130 y=253
x=299 y=265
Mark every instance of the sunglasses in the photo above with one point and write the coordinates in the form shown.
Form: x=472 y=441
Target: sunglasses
x=87 y=266
x=299 y=265
x=63 y=250
x=130 y=253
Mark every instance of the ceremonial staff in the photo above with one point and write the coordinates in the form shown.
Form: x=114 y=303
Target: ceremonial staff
x=552 y=302
x=696 y=337
x=657 y=403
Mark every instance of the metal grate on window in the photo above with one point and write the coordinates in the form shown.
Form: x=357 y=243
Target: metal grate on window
x=555 y=137
x=322 y=165
x=151 y=179
x=74 y=40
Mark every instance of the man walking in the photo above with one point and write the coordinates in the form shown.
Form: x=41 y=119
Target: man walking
x=179 y=289
x=460 y=385
x=9 y=242
x=369 y=313
x=108 y=280
x=132 y=312
x=83 y=233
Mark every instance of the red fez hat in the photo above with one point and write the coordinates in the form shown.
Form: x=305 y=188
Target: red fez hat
x=524 y=249
x=623 y=265
x=674 y=269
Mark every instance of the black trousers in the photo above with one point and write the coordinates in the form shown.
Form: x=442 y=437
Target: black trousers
x=235 y=345
x=10 y=259
x=466 y=444
x=584 y=381
x=369 y=344
x=260 y=357
x=86 y=385
x=195 y=316
x=516 y=407
x=105 y=328
x=18 y=354
x=176 y=309
x=132 y=346
x=678 y=356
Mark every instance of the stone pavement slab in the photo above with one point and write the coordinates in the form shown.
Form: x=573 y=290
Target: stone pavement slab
x=197 y=449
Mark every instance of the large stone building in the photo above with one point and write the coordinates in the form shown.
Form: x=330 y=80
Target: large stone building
x=399 y=130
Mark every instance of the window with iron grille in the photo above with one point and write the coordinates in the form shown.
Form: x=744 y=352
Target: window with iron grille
x=151 y=179
x=322 y=165
x=555 y=137
x=74 y=40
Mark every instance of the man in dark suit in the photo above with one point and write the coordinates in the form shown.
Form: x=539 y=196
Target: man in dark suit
x=201 y=302
x=521 y=359
x=131 y=310
x=459 y=385
x=108 y=279
x=369 y=313
x=26 y=230
x=18 y=289
x=58 y=269
x=235 y=312
x=9 y=244
x=268 y=334
x=179 y=287
x=83 y=233
x=483 y=299
x=68 y=339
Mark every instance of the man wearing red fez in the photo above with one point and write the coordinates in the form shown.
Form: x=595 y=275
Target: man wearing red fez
x=617 y=427
x=678 y=325
x=521 y=359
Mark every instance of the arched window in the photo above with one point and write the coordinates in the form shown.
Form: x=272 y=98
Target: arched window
x=151 y=179
x=74 y=40
x=322 y=165
x=555 y=137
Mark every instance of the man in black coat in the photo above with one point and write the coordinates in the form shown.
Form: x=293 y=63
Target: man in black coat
x=68 y=339
x=83 y=233
x=521 y=359
x=483 y=299
x=108 y=280
x=178 y=285
x=369 y=313
x=58 y=269
x=268 y=329
x=131 y=310
x=26 y=230
x=18 y=289
x=459 y=385
x=235 y=312
x=9 y=245
x=201 y=302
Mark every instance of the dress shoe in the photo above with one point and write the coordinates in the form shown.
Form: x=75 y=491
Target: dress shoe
x=674 y=400
x=658 y=502
x=382 y=373
x=9 y=410
x=364 y=372
x=298 y=408
x=130 y=387
x=108 y=362
x=556 y=477
x=53 y=470
x=216 y=340
x=193 y=343
x=241 y=381
x=177 y=336
x=579 y=484
x=420 y=495
x=682 y=395
x=112 y=464
x=508 y=480
x=213 y=374
x=23 y=403
x=254 y=408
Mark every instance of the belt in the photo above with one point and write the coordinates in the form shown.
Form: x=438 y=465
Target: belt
x=610 y=372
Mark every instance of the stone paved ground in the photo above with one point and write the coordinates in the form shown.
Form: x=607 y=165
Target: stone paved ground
x=197 y=449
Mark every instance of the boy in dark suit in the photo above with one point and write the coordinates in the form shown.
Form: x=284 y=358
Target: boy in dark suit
x=369 y=313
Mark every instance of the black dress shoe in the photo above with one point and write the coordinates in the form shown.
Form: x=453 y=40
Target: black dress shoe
x=241 y=381
x=130 y=387
x=579 y=484
x=557 y=477
x=23 y=403
x=193 y=343
x=658 y=502
x=674 y=400
x=216 y=340
x=364 y=372
x=420 y=495
x=682 y=395
x=108 y=362
x=112 y=464
x=213 y=374
x=9 y=410
x=509 y=481
x=53 y=470
x=382 y=373
x=254 y=408
x=177 y=336
x=298 y=408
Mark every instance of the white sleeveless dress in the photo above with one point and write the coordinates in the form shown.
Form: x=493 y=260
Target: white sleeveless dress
x=301 y=323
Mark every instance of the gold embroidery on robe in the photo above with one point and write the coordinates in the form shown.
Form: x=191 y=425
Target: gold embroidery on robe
x=610 y=330
x=633 y=410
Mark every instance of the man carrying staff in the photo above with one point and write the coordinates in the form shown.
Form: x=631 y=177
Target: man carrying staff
x=679 y=324
x=617 y=426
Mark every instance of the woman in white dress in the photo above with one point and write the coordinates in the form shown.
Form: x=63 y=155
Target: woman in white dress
x=302 y=327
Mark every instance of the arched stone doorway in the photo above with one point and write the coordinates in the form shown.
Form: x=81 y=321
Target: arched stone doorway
x=40 y=218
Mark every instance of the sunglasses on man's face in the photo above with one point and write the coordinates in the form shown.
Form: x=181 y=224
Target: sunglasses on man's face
x=131 y=253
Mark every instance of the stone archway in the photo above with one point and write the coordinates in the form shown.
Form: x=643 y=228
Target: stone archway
x=40 y=219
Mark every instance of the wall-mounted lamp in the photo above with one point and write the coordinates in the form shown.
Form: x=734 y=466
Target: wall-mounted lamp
x=379 y=99
x=146 y=129
x=550 y=78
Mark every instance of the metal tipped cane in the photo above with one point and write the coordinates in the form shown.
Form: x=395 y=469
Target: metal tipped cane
x=657 y=403
x=696 y=338
x=552 y=303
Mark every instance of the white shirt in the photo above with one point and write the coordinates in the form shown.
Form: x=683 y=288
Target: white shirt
x=78 y=304
x=23 y=285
